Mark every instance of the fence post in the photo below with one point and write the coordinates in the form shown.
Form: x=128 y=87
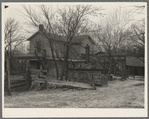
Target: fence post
x=8 y=73
x=87 y=52
x=28 y=80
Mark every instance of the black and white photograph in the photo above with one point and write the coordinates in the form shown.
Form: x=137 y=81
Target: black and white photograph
x=74 y=59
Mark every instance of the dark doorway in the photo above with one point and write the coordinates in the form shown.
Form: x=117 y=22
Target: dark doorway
x=139 y=71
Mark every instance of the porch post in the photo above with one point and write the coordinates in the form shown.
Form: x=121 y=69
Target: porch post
x=40 y=69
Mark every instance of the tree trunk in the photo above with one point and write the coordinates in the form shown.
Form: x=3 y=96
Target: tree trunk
x=63 y=68
x=65 y=64
x=110 y=68
x=8 y=74
x=56 y=66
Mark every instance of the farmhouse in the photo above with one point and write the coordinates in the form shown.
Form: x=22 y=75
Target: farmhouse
x=39 y=42
x=77 y=54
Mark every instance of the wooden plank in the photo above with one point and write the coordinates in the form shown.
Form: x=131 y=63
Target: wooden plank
x=39 y=79
x=112 y=56
x=69 y=84
x=36 y=76
x=44 y=70
x=35 y=70
x=19 y=81
x=86 y=70
x=19 y=85
x=120 y=60
x=43 y=76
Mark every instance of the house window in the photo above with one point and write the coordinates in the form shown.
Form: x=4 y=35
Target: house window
x=38 y=65
x=38 y=46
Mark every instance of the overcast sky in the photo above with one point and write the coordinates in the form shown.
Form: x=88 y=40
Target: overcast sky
x=14 y=10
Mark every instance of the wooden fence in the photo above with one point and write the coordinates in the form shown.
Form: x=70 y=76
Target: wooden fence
x=18 y=82
x=15 y=84
x=85 y=75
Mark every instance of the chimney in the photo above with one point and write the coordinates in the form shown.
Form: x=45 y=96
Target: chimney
x=41 y=27
x=87 y=50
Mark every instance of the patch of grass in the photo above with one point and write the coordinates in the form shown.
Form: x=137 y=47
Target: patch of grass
x=118 y=94
x=139 y=84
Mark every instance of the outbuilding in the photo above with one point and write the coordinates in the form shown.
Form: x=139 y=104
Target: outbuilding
x=135 y=66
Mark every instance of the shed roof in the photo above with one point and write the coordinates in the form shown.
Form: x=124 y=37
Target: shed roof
x=134 y=61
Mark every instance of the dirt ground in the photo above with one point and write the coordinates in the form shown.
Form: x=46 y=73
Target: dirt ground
x=118 y=94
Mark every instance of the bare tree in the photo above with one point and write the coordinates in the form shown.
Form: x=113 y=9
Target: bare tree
x=22 y=48
x=12 y=39
x=138 y=39
x=73 y=21
x=114 y=32
x=46 y=17
x=138 y=30
x=68 y=21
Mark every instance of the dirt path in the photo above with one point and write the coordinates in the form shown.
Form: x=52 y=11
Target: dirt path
x=119 y=94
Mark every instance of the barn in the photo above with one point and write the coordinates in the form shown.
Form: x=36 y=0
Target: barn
x=135 y=66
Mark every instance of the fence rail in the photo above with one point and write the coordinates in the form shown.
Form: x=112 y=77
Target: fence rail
x=86 y=70
x=16 y=84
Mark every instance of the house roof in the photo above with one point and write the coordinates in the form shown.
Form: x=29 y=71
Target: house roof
x=76 y=39
x=33 y=57
x=33 y=35
x=133 y=61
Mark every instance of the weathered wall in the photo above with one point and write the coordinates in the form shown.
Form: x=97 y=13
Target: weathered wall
x=44 y=43
x=135 y=70
x=84 y=43
x=52 y=70
x=58 y=46
x=75 y=50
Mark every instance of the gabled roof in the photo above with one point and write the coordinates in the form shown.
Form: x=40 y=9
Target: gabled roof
x=76 y=39
x=133 y=61
x=33 y=35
